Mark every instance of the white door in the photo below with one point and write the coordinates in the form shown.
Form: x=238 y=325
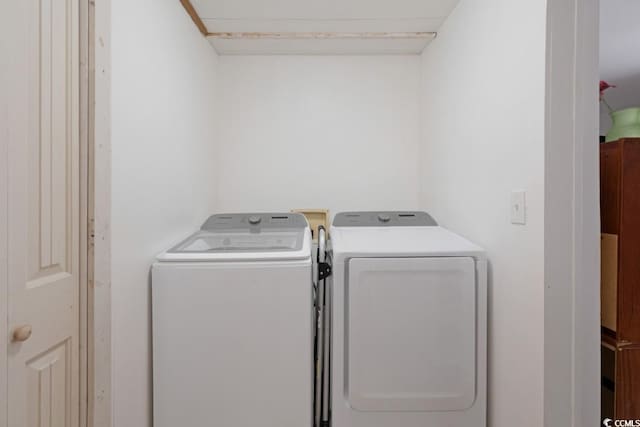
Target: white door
x=411 y=334
x=40 y=50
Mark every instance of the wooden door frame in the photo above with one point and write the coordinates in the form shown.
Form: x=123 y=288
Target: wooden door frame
x=84 y=205
x=4 y=286
x=87 y=100
x=98 y=295
x=95 y=307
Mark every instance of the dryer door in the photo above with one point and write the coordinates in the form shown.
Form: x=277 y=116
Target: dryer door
x=411 y=334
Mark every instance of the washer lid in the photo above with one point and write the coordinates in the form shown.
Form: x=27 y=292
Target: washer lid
x=240 y=241
x=227 y=237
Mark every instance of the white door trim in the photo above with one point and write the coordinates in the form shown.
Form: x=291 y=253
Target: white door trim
x=572 y=218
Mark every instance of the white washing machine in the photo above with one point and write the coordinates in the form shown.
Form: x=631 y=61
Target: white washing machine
x=408 y=323
x=233 y=325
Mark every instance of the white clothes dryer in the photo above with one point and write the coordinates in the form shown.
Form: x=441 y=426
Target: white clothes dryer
x=409 y=323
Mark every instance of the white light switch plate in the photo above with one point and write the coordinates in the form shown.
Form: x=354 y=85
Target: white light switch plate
x=518 y=208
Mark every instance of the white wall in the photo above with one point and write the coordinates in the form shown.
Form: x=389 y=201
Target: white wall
x=281 y=117
x=619 y=59
x=483 y=136
x=163 y=181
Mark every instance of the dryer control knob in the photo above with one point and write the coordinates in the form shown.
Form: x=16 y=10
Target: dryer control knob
x=384 y=218
x=254 y=219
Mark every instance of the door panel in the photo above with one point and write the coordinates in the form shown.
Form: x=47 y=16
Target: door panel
x=48 y=374
x=411 y=334
x=43 y=215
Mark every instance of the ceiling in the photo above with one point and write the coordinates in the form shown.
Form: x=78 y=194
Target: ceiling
x=327 y=26
x=620 y=54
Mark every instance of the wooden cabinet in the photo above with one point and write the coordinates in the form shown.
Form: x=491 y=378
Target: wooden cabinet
x=620 y=284
x=620 y=379
x=620 y=225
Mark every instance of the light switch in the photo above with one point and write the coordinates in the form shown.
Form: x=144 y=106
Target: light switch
x=518 y=208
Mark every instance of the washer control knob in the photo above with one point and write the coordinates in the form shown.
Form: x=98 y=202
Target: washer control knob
x=384 y=218
x=254 y=219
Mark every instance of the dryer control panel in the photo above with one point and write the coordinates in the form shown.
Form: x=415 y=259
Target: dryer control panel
x=384 y=218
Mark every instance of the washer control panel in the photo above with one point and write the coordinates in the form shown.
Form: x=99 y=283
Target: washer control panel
x=255 y=221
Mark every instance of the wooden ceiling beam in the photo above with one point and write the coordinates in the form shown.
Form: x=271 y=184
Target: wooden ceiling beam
x=320 y=35
x=194 y=16
x=191 y=11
